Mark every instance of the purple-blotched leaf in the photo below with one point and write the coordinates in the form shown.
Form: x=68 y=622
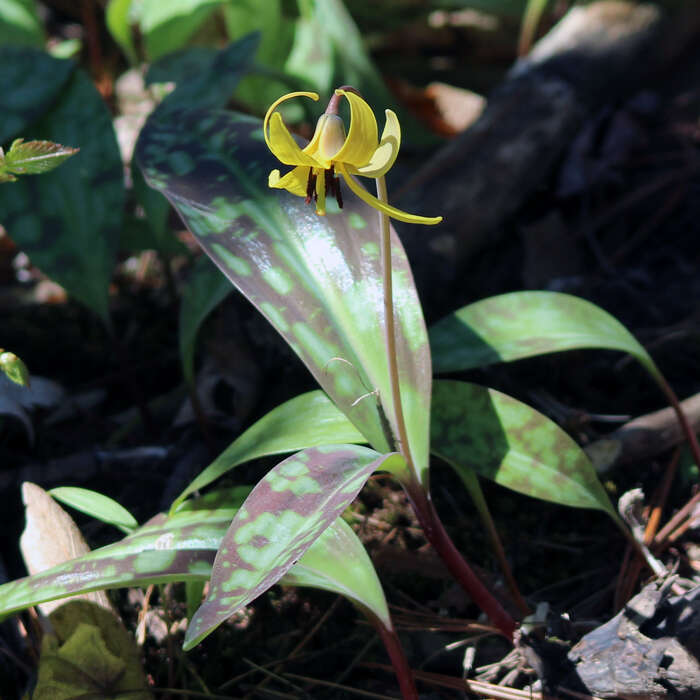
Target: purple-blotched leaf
x=284 y=515
x=308 y=420
x=513 y=326
x=503 y=439
x=182 y=547
x=316 y=279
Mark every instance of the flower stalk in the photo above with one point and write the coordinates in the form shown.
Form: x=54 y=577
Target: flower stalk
x=418 y=493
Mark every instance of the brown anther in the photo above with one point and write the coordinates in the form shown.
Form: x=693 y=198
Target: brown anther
x=311 y=187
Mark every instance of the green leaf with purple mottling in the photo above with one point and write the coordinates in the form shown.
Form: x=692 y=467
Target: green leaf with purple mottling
x=308 y=420
x=285 y=513
x=500 y=438
x=316 y=279
x=513 y=326
x=181 y=547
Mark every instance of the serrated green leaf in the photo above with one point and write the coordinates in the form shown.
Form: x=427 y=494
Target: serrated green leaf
x=68 y=221
x=181 y=547
x=316 y=279
x=205 y=289
x=285 y=513
x=13 y=368
x=513 y=326
x=308 y=420
x=96 y=505
x=20 y=24
x=503 y=439
x=167 y=26
x=34 y=157
x=30 y=81
x=118 y=21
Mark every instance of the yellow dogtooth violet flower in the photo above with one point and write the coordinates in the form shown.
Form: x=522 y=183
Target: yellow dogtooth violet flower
x=331 y=153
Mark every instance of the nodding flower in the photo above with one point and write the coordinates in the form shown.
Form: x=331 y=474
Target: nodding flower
x=331 y=154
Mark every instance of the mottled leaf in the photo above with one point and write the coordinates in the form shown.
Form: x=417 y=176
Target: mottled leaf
x=205 y=289
x=14 y=369
x=32 y=158
x=30 y=81
x=68 y=221
x=338 y=562
x=167 y=26
x=96 y=505
x=316 y=279
x=309 y=420
x=118 y=21
x=285 y=513
x=512 y=326
x=503 y=439
x=20 y=24
x=204 y=77
x=181 y=547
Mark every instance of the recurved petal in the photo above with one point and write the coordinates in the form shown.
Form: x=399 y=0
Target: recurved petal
x=283 y=145
x=277 y=103
x=393 y=212
x=361 y=143
x=294 y=181
x=385 y=155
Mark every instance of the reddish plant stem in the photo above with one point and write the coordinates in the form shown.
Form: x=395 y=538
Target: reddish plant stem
x=458 y=567
x=682 y=418
x=403 y=671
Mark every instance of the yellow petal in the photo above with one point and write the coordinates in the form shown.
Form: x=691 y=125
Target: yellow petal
x=279 y=140
x=393 y=212
x=294 y=181
x=385 y=155
x=361 y=143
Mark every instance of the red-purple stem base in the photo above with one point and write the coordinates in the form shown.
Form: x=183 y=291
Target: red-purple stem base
x=403 y=671
x=458 y=567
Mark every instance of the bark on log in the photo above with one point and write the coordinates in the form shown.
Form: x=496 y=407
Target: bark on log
x=597 y=53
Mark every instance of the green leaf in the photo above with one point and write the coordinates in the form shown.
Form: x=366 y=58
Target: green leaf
x=32 y=158
x=118 y=21
x=156 y=207
x=167 y=26
x=338 y=562
x=96 y=505
x=181 y=547
x=205 y=289
x=20 y=24
x=14 y=369
x=204 y=77
x=30 y=81
x=502 y=439
x=523 y=324
x=316 y=279
x=309 y=420
x=276 y=36
x=285 y=513
x=68 y=221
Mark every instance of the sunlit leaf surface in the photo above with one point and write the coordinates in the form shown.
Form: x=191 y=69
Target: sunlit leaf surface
x=96 y=505
x=316 y=279
x=513 y=326
x=285 y=513
x=503 y=439
x=309 y=420
x=182 y=548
